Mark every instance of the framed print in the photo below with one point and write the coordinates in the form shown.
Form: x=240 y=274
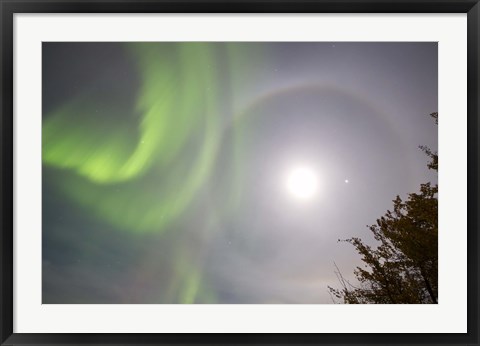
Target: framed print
x=239 y=173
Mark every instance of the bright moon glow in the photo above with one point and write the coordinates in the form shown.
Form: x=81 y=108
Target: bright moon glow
x=302 y=183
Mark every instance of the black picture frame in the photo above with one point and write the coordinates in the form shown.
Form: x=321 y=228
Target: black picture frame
x=10 y=7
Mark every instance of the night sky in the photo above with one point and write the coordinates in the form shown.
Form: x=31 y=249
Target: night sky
x=224 y=172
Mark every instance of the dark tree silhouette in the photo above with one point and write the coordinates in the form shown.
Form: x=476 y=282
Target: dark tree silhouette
x=403 y=267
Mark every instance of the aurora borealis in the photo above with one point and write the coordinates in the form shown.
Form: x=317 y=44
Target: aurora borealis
x=164 y=164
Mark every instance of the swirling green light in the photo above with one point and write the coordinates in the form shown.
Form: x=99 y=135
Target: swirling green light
x=139 y=169
x=133 y=181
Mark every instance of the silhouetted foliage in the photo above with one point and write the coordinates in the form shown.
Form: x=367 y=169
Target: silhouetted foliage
x=403 y=267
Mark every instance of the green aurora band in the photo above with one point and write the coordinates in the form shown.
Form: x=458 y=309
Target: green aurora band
x=122 y=167
x=110 y=168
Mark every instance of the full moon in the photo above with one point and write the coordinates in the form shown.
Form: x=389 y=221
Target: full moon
x=302 y=183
